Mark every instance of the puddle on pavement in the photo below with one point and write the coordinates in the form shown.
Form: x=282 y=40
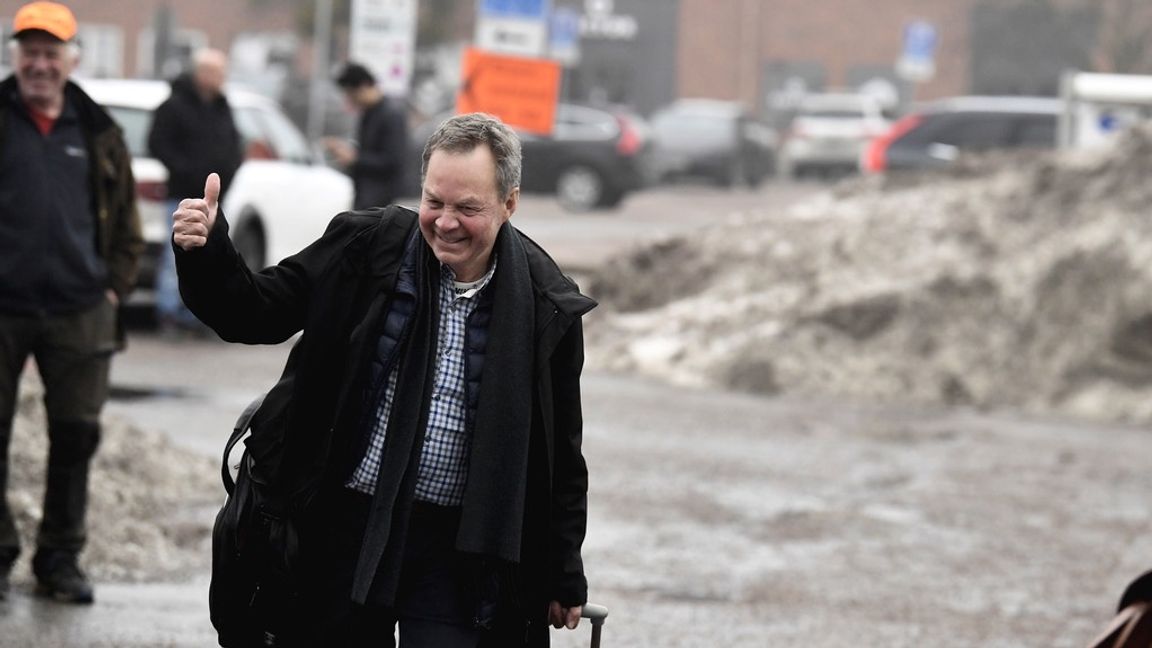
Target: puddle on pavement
x=136 y=392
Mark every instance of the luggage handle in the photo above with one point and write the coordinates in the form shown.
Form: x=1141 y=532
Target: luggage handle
x=596 y=614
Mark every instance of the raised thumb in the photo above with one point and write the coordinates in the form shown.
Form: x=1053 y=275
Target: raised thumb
x=212 y=191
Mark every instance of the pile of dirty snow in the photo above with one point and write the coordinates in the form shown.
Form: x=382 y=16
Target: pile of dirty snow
x=151 y=503
x=1023 y=284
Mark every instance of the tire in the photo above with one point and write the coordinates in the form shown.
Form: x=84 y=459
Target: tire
x=757 y=178
x=612 y=198
x=735 y=174
x=250 y=244
x=581 y=188
x=786 y=169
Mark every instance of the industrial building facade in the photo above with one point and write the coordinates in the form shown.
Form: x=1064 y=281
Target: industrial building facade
x=646 y=53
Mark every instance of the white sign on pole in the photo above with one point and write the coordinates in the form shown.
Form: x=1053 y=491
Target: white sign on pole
x=383 y=39
x=517 y=27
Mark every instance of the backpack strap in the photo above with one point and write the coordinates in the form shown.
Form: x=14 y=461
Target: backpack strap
x=238 y=432
x=1139 y=590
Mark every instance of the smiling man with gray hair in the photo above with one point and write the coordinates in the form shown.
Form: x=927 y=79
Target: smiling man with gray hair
x=427 y=429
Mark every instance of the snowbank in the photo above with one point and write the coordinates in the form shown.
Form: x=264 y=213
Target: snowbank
x=151 y=503
x=1012 y=282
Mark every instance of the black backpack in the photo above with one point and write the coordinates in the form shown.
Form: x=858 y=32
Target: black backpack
x=254 y=550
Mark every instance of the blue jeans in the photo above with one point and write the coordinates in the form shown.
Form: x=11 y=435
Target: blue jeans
x=170 y=308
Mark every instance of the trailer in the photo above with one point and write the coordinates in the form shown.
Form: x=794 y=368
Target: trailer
x=1099 y=106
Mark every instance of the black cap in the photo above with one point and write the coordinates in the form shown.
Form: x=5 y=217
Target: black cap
x=354 y=75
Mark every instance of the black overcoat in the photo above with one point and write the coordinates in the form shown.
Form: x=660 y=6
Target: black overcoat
x=334 y=293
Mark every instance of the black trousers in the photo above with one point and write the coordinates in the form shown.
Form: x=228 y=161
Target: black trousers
x=73 y=354
x=437 y=601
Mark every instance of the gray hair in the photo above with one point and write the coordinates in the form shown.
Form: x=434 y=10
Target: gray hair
x=71 y=48
x=462 y=133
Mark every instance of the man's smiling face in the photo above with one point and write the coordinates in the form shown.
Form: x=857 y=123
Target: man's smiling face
x=461 y=210
x=42 y=64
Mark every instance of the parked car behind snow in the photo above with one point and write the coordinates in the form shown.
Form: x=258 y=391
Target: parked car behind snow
x=713 y=139
x=935 y=134
x=829 y=132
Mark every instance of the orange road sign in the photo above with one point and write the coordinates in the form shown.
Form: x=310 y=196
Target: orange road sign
x=522 y=92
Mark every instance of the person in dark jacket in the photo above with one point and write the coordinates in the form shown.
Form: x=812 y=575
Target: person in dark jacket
x=193 y=134
x=70 y=243
x=376 y=162
x=426 y=431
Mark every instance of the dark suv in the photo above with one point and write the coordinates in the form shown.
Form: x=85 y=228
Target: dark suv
x=592 y=160
x=934 y=135
x=713 y=139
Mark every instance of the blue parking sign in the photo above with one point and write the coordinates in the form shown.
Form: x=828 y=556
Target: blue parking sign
x=528 y=9
x=919 y=41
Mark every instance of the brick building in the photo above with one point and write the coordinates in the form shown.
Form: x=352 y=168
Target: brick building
x=645 y=53
x=754 y=50
x=119 y=37
x=741 y=49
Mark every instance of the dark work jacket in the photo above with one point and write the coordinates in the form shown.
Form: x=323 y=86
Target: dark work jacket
x=112 y=188
x=338 y=292
x=382 y=148
x=193 y=138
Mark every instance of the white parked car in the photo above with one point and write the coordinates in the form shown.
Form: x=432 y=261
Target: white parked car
x=829 y=132
x=280 y=200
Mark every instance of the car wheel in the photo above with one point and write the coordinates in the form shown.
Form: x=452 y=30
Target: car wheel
x=250 y=244
x=612 y=198
x=786 y=169
x=735 y=174
x=757 y=178
x=580 y=188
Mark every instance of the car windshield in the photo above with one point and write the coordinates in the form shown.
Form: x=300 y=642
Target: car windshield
x=136 y=123
x=692 y=125
x=254 y=124
x=574 y=122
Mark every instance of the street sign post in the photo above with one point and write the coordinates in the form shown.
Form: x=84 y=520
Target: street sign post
x=564 y=36
x=383 y=39
x=917 y=60
x=517 y=27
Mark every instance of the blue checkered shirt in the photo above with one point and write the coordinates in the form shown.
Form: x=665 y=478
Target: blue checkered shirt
x=444 y=460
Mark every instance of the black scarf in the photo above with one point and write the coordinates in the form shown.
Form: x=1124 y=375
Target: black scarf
x=492 y=514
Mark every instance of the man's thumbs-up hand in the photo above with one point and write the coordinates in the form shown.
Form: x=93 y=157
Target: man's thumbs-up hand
x=194 y=218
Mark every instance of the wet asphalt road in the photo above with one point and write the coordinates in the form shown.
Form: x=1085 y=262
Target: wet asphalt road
x=722 y=519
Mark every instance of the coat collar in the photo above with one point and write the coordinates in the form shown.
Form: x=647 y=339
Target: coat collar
x=91 y=115
x=548 y=280
x=362 y=254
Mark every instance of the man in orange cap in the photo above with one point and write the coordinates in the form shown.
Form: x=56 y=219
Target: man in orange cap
x=69 y=247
